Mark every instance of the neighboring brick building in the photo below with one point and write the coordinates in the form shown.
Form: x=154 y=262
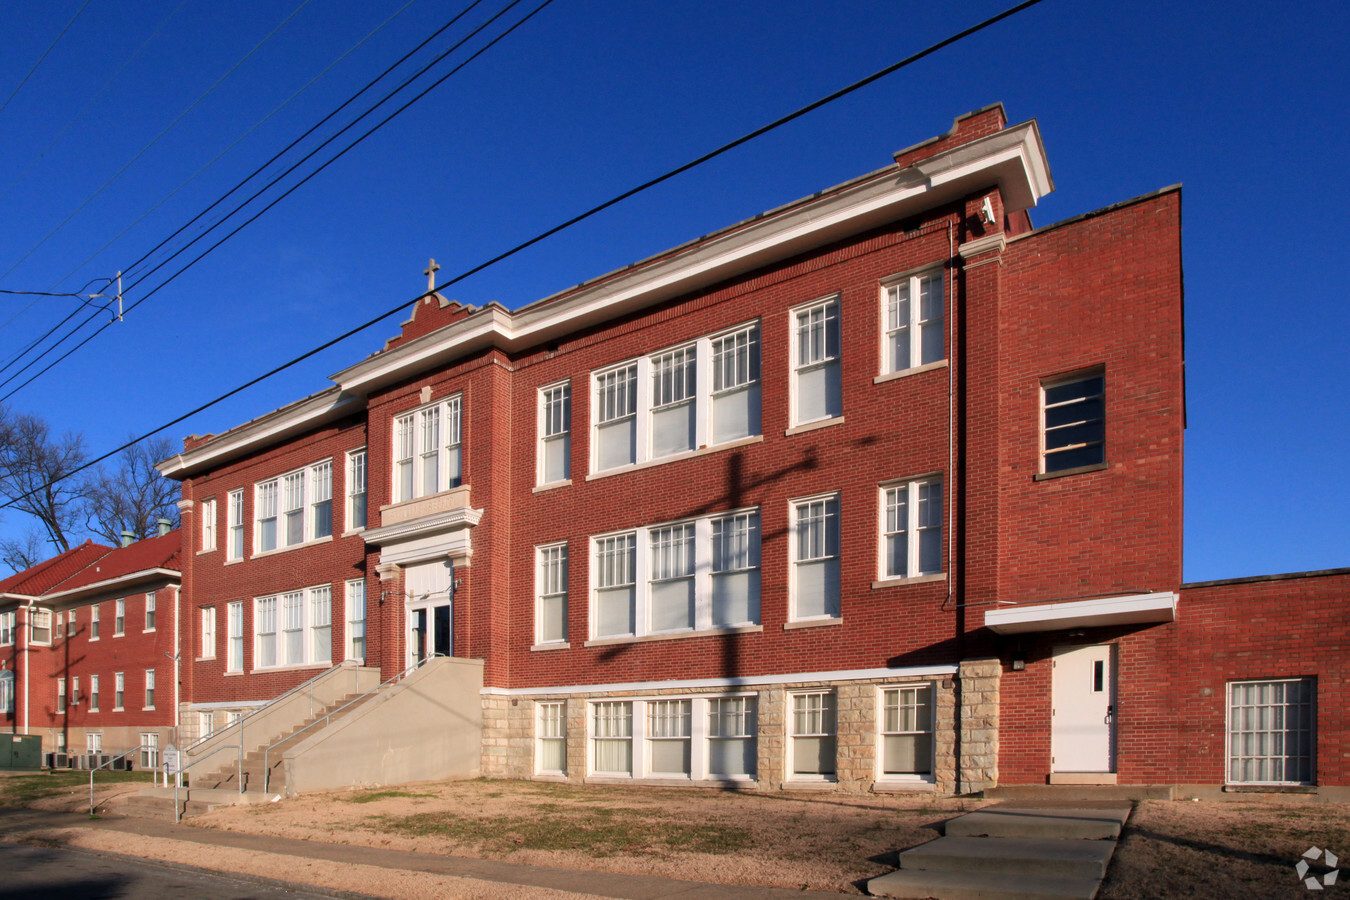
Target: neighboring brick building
x=88 y=646
x=879 y=490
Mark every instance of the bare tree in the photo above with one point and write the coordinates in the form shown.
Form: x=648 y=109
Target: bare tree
x=133 y=496
x=24 y=552
x=36 y=471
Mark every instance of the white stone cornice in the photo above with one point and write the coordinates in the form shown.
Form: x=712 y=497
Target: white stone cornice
x=463 y=517
x=990 y=243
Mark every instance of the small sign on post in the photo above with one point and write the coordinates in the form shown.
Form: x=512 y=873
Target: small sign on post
x=173 y=762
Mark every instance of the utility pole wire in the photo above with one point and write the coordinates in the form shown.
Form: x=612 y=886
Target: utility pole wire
x=15 y=92
x=857 y=85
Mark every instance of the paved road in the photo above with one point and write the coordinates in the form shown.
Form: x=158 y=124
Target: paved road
x=41 y=873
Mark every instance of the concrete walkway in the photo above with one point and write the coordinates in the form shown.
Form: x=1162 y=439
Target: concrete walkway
x=15 y=822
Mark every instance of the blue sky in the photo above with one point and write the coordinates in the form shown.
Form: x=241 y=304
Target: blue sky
x=1243 y=103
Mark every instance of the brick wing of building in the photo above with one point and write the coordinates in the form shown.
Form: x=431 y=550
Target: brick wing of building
x=880 y=490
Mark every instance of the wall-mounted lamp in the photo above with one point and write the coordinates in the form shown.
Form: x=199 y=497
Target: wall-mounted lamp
x=1019 y=662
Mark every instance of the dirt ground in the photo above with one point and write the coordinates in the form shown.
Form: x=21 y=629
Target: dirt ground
x=1210 y=850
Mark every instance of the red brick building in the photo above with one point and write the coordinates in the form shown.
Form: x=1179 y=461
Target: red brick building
x=880 y=490
x=88 y=650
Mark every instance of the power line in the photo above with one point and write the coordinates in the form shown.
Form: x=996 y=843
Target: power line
x=254 y=174
x=288 y=171
x=41 y=58
x=829 y=98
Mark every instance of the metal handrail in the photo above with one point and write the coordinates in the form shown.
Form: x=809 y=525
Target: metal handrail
x=239 y=723
x=177 y=815
x=114 y=759
x=267 y=769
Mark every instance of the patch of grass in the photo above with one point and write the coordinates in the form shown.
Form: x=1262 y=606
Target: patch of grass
x=21 y=790
x=595 y=832
x=372 y=796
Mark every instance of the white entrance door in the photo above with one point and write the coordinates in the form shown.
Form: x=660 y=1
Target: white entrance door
x=1083 y=697
x=430 y=608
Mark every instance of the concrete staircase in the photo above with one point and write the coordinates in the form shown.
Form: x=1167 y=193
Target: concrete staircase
x=1011 y=853
x=227 y=777
x=158 y=802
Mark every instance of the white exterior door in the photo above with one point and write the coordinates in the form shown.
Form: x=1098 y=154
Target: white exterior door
x=429 y=612
x=1083 y=700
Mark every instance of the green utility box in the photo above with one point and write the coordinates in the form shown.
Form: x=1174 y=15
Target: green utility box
x=20 y=751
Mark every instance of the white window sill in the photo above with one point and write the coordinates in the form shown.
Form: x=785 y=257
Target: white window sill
x=289 y=547
x=352 y=532
x=813 y=623
x=801 y=783
x=205 y=659
x=147 y=709
x=552 y=645
x=93 y=640
x=234 y=562
x=115 y=634
x=296 y=667
x=550 y=776
x=672 y=635
x=551 y=486
x=233 y=674
x=206 y=550
x=898 y=785
x=148 y=631
x=917 y=579
x=688 y=454
x=118 y=709
x=812 y=426
x=905 y=373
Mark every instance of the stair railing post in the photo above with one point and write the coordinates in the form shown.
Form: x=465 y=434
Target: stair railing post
x=267 y=769
x=240 y=769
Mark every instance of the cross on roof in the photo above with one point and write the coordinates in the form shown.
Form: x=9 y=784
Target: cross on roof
x=430 y=271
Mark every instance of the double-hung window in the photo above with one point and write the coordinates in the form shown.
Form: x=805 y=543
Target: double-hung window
x=551 y=752
x=150 y=611
x=678 y=576
x=551 y=590
x=75 y=690
x=1074 y=423
x=906 y=731
x=731 y=737
x=815 y=557
x=7 y=627
x=149 y=750
x=817 y=391
x=295 y=508
x=208 y=648
x=356 y=489
x=93 y=622
x=912 y=310
x=612 y=737
x=235 y=550
x=119 y=690
x=149 y=688
x=911 y=539
x=119 y=617
x=6 y=691
x=813 y=735
x=356 y=620
x=1271 y=731
x=555 y=433
x=428 y=455
x=616 y=417
x=668 y=738
x=234 y=623
x=209 y=524
x=700 y=394
x=93 y=693
x=40 y=626
x=304 y=620
x=60 y=696
x=71 y=627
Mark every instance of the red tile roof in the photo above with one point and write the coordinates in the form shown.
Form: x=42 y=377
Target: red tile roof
x=46 y=575
x=160 y=552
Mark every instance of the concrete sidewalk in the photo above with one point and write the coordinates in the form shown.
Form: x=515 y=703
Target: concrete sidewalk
x=14 y=823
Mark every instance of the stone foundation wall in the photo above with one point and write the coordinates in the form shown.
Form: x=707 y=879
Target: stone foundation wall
x=979 y=681
x=509 y=732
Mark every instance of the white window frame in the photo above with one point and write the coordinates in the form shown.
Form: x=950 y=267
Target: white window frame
x=149 y=750
x=119 y=691
x=550 y=584
x=911 y=327
x=206 y=724
x=447 y=456
x=1064 y=409
x=94 y=621
x=93 y=693
x=208 y=524
x=93 y=741
x=60 y=696
x=119 y=617
x=297 y=496
x=355 y=594
x=696 y=731
x=612 y=728
x=234 y=636
x=149 y=612
x=358 y=490
x=828 y=716
x=8 y=627
x=6 y=691
x=295 y=624
x=816 y=358
x=550 y=730
x=554 y=430
x=884 y=705
x=235 y=535
x=640 y=396
x=36 y=616
x=796 y=559
x=75 y=690
x=149 y=689
x=703 y=576
x=1306 y=705
x=912 y=522
x=208 y=632
x=71 y=628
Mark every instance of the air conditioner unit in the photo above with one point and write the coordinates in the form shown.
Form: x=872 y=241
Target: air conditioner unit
x=122 y=764
x=78 y=760
x=58 y=760
x=98 y=760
